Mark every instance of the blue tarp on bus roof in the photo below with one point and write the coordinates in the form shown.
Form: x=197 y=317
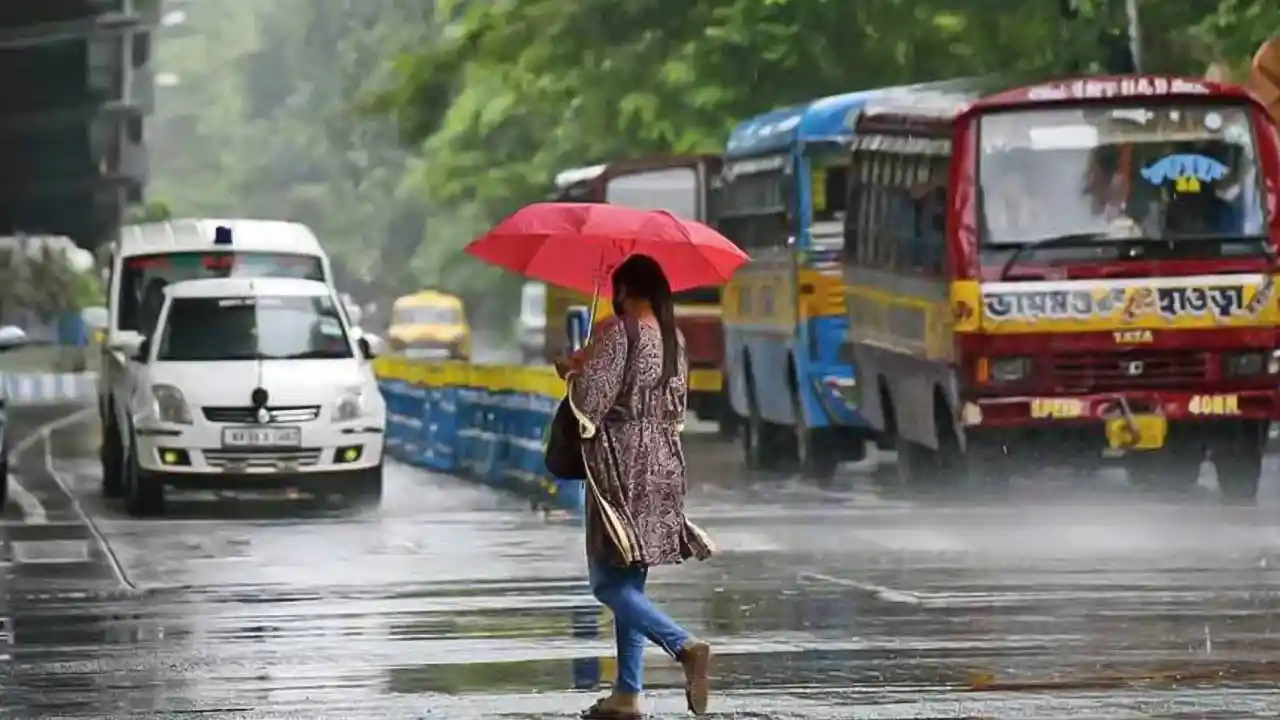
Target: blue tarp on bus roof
x=824 y=118
x=778 y=130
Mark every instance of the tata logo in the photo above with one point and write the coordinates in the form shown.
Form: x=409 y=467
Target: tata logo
x=1133 y=337
x=1134 y=368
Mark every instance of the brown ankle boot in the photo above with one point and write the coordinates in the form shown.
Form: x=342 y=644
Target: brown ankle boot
x=695 y=658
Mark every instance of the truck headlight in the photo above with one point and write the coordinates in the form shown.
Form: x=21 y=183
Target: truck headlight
x=169 y=406
x=1009 y=369
x=1245 y=364
x=350 y=406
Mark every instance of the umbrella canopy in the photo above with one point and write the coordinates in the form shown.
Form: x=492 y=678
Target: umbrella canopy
x=578 y=245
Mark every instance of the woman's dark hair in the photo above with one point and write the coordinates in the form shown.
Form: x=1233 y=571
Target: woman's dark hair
x=641 y=277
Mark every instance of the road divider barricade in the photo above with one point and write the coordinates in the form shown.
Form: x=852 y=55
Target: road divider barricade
x=481 y=422
x=28 y=389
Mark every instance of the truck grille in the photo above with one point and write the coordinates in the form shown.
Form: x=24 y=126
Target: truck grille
x=1089 y=372
x=250 y=460
x=249 y=416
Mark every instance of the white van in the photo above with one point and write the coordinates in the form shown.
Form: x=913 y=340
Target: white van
x=151 y=256
x=252 y=384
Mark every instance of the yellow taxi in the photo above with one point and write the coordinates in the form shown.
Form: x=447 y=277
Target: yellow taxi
x=429 y=325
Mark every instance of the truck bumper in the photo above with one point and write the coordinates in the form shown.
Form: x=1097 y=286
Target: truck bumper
x=1108 y=421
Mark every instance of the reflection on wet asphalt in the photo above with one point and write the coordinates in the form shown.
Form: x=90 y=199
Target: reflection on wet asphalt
x=454 y=602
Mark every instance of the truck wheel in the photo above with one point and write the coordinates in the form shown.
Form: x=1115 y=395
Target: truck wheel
x=145 y=491
x=1239 y=474
x=1239 y=462
x=110 y=455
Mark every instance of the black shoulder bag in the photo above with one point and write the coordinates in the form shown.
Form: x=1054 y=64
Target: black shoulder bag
x=563 y=454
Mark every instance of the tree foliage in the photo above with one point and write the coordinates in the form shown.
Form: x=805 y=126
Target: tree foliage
x=384 y=123
x=258 y=121
x=537 y=85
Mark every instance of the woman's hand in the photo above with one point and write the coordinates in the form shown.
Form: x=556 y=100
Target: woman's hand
x=570 y=364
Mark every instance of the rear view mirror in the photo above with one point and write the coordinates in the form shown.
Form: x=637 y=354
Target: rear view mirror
x=142 y=351
x=366 y=348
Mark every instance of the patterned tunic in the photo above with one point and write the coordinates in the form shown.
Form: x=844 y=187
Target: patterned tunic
x=631 y=442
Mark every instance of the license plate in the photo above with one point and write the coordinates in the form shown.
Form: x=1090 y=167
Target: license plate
x=1151 y=432
x=252 y=437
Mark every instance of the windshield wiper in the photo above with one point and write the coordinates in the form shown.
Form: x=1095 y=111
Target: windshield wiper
x=1049 y=243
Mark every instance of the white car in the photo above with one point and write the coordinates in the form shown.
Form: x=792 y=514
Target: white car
x=252 y=384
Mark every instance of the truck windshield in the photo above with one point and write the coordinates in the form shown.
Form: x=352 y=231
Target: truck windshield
x=1106 y=172
x=143 y=278
x=268 y=327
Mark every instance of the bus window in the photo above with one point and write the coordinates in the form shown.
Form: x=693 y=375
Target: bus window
x=675 y=190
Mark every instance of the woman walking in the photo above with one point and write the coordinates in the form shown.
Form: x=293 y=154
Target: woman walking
x=629 y=392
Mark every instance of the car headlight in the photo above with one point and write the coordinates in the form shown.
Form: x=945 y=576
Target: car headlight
x=350 y=406
x=169 y=405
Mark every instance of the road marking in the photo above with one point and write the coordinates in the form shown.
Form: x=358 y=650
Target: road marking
x=50 y=552
x=112 y=561
x=33 y=512
x=879 y=592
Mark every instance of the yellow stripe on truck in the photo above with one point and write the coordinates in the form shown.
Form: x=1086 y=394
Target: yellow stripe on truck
x=1073 y=306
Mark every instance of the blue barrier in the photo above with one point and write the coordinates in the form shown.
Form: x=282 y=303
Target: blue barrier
x=484 y=423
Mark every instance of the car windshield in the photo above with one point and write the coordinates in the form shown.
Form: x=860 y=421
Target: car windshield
x=143 y=278
x=427 y=315
x=269 y=327
x=1164 y=172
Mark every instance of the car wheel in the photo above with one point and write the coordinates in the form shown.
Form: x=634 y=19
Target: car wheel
x=112 y=462
x=145 y=491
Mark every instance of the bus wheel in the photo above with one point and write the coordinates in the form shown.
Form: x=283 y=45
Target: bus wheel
x=918 y=466
x=729 y=420
x=989 y=467
x=754 y=433
x=816 y=454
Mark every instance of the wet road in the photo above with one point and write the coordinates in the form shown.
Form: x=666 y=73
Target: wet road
x=453 y=602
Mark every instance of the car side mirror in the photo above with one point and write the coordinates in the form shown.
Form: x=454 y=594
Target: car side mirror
x=143 y=351
x=366 y=348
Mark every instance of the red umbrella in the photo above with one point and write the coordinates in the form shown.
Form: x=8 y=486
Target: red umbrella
x=577 y=246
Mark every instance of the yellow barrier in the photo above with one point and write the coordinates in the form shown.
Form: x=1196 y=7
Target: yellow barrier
x=541 y=381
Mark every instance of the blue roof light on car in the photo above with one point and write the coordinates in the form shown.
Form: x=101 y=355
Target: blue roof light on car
x=222 y=235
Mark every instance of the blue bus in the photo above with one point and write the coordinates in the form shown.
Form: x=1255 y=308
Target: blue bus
x=781 y=197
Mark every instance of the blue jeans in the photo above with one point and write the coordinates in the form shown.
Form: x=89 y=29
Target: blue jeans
x=635 y=618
